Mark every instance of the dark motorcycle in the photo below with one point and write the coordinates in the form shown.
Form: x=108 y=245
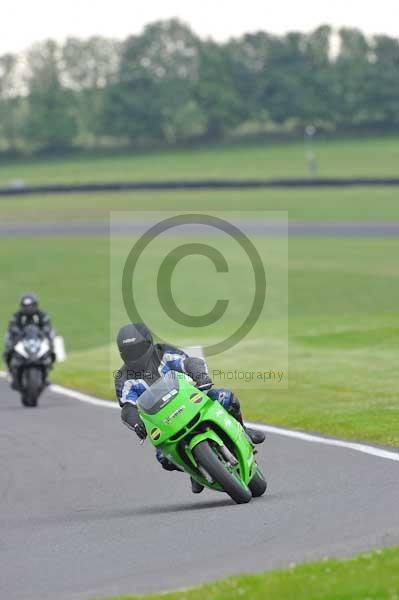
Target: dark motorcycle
x=31 y=361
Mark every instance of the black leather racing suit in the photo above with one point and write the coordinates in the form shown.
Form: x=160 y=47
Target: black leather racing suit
x=129 y=385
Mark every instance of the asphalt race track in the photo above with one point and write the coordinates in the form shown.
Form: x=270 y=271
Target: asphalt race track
x=85 y=511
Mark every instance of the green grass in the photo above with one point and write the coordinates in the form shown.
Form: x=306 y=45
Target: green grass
x=343 y=327
x=349 y=157
x=372 y=576
x=358 y=204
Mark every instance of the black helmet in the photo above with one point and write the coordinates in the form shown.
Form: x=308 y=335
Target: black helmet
x=29 y=304
x=135 y=345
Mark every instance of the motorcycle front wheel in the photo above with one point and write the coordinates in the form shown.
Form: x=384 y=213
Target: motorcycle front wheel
x=209 y=460
x=32 y=386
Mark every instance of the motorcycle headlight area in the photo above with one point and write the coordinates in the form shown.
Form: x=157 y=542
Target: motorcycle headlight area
x=32 y=346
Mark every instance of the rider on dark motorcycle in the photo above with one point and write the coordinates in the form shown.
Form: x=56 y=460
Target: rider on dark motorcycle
x=28 y=314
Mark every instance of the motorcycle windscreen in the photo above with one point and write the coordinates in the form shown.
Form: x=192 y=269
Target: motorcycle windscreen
x=159 y=394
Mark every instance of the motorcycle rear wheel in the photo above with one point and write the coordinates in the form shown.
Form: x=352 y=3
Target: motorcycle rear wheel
x=207 y=458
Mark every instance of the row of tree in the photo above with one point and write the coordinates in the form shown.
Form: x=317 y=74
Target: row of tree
x=168 y=86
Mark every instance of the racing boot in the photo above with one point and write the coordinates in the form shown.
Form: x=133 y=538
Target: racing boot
x=196 y=487
x=13 y=379
x=47 y=381
x=166 y=464
x=255 y=435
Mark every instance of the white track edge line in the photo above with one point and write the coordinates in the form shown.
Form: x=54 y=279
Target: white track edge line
x=316 y=439
x=299 y=435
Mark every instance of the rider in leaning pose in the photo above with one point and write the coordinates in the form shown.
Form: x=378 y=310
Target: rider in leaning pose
x=144 y=363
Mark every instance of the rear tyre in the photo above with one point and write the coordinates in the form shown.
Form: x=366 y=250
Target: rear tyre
x=258 y=484
x=33 y=385
x=207 y=458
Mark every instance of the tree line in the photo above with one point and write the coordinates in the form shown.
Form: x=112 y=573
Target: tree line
x=168 y=86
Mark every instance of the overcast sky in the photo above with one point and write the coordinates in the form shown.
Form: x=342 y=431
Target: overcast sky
x=26 y=21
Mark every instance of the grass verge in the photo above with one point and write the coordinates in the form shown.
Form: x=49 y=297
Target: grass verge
x=335 y=158
x=372 y=576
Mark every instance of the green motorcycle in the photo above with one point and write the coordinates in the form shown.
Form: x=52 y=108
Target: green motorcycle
x=200 y=437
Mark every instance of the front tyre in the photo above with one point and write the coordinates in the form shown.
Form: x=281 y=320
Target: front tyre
x=25 y=400
x=207 y=458
x=32 y=386
x=258 y=484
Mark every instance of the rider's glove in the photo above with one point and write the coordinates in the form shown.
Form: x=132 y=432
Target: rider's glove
x=205 y=383
x=130 y=418
x=140 y=431
x=196 y=369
